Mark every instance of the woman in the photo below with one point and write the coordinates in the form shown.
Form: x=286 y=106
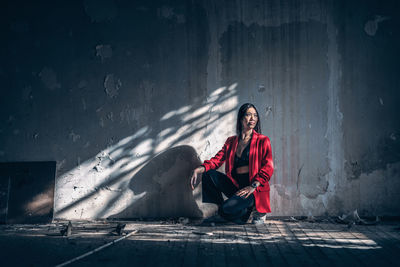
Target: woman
x=248 y=168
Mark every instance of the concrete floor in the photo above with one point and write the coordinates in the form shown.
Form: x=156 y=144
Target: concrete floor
x=169 y=243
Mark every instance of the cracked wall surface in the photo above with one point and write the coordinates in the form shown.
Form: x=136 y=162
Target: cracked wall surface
x=127 y=97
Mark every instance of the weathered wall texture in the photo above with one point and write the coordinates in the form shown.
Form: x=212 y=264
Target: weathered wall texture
x=128 y=97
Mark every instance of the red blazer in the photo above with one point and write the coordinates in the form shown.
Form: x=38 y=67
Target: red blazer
x=261 y=166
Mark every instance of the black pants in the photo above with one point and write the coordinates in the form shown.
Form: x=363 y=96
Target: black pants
x=236 y=209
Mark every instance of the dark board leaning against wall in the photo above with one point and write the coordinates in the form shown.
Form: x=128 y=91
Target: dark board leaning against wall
x=27 y=192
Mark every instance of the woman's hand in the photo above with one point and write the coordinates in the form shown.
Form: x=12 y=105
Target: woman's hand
x=195 y=175
x=245 y=191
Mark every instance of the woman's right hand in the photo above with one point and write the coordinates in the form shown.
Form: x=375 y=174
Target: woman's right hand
x=195 y=176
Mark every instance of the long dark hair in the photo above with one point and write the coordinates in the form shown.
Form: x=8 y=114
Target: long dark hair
x=241 y=113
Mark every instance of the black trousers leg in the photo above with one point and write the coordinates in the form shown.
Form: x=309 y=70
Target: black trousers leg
x=235 y=208
x=214 y=184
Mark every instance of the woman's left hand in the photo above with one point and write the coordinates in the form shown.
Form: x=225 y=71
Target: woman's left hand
x=245 y=191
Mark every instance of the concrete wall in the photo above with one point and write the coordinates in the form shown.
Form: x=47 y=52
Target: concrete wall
x=129 y=97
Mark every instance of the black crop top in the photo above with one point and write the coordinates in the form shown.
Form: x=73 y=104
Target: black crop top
x=243 y=178
x=244 y=158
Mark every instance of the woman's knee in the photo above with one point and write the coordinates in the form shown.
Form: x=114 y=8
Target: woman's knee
x=209 y=176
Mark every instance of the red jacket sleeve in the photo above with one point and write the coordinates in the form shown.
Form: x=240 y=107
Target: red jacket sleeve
x=267 y=165
x=216 y=161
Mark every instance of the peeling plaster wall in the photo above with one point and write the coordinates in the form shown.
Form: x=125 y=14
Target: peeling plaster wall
x=129 y=97
x=369 y=42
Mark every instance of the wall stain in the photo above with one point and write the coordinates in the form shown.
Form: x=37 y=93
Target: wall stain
x=49 y=78
x=371 y=26
x=112 y=85
x=387 y=151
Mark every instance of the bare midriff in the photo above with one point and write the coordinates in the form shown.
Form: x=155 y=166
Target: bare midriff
x=242 y=170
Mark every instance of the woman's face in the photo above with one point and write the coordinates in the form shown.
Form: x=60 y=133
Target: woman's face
x=250 y=119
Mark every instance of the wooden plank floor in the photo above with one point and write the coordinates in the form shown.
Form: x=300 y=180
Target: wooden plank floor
x=276 y=243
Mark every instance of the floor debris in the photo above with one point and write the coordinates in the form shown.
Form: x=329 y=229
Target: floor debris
x=353 y=218
x=202 y=233
x=183 y=220
x=119 y=229
x=309 y=218
x=67 y=231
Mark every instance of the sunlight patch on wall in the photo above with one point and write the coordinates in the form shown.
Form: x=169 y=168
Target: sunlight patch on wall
x=99 y=187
